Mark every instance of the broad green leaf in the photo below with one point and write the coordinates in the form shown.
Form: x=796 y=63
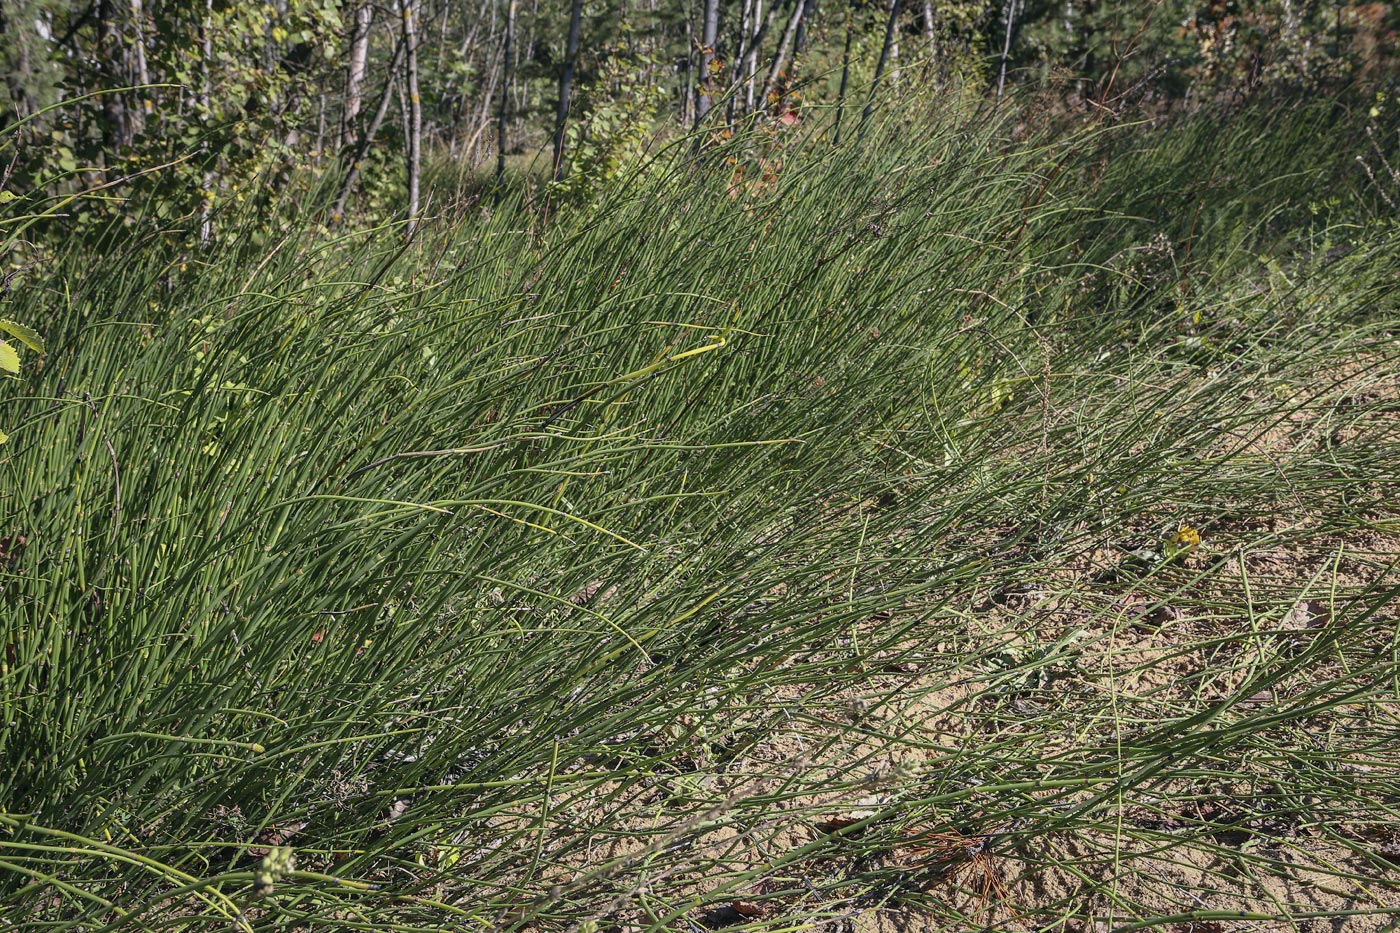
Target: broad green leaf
x=25 y=335
x=9 y=359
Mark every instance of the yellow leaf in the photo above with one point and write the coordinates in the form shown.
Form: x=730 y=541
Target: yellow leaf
x=26 y=335
x=9 y=359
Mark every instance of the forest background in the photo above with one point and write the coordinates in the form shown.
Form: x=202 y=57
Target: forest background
x=171 y=111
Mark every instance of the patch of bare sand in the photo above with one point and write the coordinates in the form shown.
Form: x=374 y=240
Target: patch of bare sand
x=1103 y=884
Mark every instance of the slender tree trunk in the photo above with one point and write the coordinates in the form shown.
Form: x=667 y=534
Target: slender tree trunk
x=405 y=117
x=845 y=77
x=469 y=40
x=366 y=139
x=483 y=116
x=320 y=127
x=138 y=25
x=414 y=130
x=708 y=37
x=757 y=44
x=355 y=73
x=809 y=9
x=751 y=67
x=566 y=86
x=116 y=129
x=741 y=45
x=895 y=73
x=1006 y=45
x=780 y=58
x=503 y=116
x=931 y=37
x=487 y=99
x=890 y=25
x=138 y=49
x=206 y=48
x=689 y=70
x=525 y=52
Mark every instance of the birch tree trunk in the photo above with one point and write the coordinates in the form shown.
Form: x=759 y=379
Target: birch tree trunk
x=566 y=86
x=138 y=48
x=708 y=37
x=206 y=49
x=355 y=73
x=366 y=138
x=685 y=95
x=741 y=44
x=894 y=58
x=931 y=37
x=1006 y=45
x=753 y=40
x=414 y=130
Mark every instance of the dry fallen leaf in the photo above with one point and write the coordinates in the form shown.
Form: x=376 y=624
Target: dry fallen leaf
x=596 y=591
x=839 y=821
x=275 y=835
x=1307 y=614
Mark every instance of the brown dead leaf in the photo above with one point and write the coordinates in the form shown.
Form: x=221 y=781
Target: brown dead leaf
x=596 y=591
x=840 y=821
x=1307 y=614
x=1158 y=618
x=275 y=835
x=725 y=915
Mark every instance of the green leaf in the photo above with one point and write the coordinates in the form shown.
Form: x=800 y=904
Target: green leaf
x=24 y=335
x=9 y=359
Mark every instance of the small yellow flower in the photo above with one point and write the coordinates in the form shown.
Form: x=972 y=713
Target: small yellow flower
x=1185 y=541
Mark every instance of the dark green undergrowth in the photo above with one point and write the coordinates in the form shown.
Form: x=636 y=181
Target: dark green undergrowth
x=781 y=553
